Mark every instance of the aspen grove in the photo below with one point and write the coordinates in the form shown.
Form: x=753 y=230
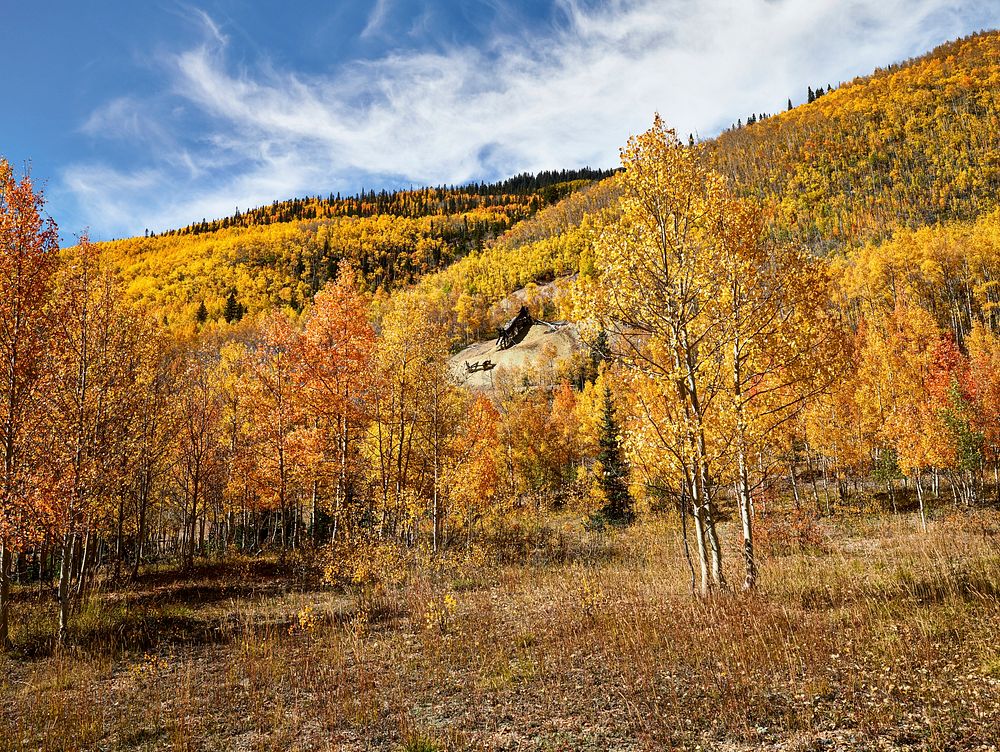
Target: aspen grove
x=735 y=358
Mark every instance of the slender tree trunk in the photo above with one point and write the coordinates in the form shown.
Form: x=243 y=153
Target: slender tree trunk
x=920 y=500
x=192 y=525
x=707 y=509
x=342 y=476
x=43 y=554
x=826 y=487
x=684 y=537
x=746 y=517
x=312 y=511
x=282 y=489
x=812 y=478
x=140 y=540
x=84 y=562
x=698 y=516
x=699 y=533
x=4 y=595
x=65 y=572
x=119 y=550
x=698 y=478
x=795 y=485
x=715 y=546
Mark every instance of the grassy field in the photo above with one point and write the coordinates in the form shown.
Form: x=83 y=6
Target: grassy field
x=870 y=635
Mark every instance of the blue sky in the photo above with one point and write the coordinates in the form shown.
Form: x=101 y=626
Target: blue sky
x=157 y=113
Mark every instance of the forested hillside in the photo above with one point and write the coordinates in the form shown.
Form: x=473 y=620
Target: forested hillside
x=526 y=191
x=282 y=254
x=912 y=144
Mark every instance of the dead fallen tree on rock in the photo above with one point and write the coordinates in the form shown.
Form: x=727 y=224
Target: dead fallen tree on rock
x=515 y=330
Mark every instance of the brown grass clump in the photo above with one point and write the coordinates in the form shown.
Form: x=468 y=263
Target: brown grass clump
x=877 y=636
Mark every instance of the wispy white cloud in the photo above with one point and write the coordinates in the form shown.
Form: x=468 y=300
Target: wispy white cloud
x=376 y=18
x=210 y=26
x=567 y=97
x=104 y=191
x=121 y=118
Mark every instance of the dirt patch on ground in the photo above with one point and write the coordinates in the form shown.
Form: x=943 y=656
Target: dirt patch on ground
x=557 y=341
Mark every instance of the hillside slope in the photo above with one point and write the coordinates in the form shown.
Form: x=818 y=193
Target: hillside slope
x=543 y=345
x=913 y=144
x=282 y=254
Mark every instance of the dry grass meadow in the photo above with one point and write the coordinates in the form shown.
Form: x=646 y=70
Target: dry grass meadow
x=866 y=634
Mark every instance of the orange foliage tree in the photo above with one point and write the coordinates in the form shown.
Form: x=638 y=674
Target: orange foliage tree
x=28 y=250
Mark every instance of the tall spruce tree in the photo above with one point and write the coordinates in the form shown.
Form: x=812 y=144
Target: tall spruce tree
x=598 y=354
x=234 y=310
x=619 y=508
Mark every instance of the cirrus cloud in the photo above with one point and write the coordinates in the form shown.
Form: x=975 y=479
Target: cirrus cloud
x=222 y=134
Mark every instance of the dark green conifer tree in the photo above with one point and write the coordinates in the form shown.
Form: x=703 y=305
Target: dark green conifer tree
x=233 y=311
x=598 y=354
x=619 y=508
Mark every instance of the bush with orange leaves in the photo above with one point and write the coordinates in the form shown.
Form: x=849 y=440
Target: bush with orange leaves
x=785 y=531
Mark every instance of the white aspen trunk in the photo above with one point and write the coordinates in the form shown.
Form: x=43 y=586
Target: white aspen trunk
x=84 y=562
x=140 y=540
x=4 y=595
x=697 y=514
x=812 y=477
x=718 y=576
x=65 y=572
x=312 y=510
x=920 y=500
x=795 y=485
x=705 y=509
x=342 y=478
x=746 y=517
x=687 y=547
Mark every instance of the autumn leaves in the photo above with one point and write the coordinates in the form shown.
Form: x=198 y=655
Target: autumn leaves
x=733 y=356
x=742 y=356
x=722 y=335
